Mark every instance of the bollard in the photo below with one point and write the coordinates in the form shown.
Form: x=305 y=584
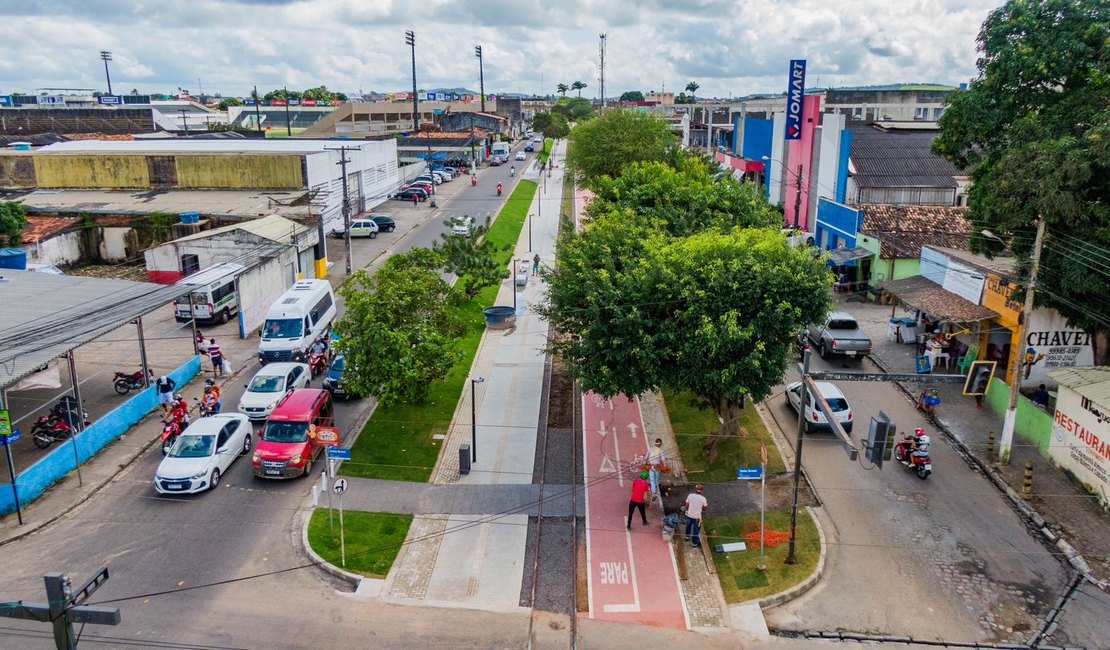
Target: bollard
x=1027 y=486
x=990 y=447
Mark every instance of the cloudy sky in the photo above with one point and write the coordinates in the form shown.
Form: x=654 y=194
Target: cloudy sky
x=729 y=47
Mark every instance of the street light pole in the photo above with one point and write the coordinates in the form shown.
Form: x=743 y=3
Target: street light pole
x=410 y=40
x=1026 y=313
x=474 y=420
x=481 y=76
x=106 y=56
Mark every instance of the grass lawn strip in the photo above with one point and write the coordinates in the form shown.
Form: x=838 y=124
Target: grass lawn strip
x=738 y=572
x=398 y=441
x=372 y=539
x=544 y=153
x=691 y=426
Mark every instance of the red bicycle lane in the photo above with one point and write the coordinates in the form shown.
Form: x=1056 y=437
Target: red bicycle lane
x=632 y=574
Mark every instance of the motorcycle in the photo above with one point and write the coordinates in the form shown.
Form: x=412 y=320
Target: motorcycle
x=47 y=430
x=512 y=172
x=317 y=364
x=918 y=461
x=171 y=431
x=125 y=383
x=473 y=180
x=206 y=410
x=499 y=189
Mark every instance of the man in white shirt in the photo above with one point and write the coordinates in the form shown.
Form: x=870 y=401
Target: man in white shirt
x=695 y=509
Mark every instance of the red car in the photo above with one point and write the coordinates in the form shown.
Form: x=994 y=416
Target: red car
x=419 y=185
x=289 y=445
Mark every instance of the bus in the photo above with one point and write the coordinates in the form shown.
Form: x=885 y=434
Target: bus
x=212 y=297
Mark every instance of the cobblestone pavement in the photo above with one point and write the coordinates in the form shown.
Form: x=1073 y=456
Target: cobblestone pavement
x=1068 y=511
x=413 y=572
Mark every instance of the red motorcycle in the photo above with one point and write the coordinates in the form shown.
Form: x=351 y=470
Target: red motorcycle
x=473 y=181
x=317 y=364
x=46 y=430
x=499 y=189
x=913 y=452
x=171 y=431
x=125 y=383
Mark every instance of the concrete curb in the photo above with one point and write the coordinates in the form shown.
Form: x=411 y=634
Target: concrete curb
x=346 y=576
x=810 y=581
x=1077 y=562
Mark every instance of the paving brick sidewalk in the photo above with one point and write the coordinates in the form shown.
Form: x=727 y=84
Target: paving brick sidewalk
x=1068 y=511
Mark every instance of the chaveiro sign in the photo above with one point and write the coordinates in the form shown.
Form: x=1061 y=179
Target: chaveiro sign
x=795 y=93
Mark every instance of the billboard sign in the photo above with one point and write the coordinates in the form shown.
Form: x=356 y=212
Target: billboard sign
x=5 y=100
x=795 y=93
x=431 y=97
x=294 y=102
x=109 y=100
x=248 y=102
x=308 y=102
x=52 y=100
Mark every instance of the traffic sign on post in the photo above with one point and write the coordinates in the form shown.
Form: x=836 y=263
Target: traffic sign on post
x=339 y=453
x=749 y=473
x=340 y=486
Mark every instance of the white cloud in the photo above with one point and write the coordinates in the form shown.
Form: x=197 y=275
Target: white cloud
x=727 y=46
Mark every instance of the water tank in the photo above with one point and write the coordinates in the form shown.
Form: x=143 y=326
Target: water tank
x=190 y=217
x=13 y=258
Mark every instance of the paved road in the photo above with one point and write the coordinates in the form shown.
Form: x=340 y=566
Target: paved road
x=945 y=558
x=155 y=544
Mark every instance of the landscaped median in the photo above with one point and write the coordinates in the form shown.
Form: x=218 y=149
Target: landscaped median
x=372 y=539
x=545 y=153
x=738 y=571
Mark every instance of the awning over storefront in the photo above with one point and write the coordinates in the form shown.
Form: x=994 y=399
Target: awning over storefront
x=934 y=300
x=740 y=164
x=840 y=256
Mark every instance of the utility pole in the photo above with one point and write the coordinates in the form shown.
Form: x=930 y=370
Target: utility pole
x=602 y=37
x=288 y=126
x=803 y=388
x=106 y=56
x=798 y=199
x=1015 y=383
x=893 y=257
x=63 y=608
x=257 y=113
x=343 y=160
x=481 y=76
x=410 y=40
x=185 y=119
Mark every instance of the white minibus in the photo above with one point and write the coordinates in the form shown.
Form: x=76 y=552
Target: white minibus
x=300 y=316
x=212 y=298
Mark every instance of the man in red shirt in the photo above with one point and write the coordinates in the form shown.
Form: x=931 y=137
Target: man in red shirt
x=640 y=489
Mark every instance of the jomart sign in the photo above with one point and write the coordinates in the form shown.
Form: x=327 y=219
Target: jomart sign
x=795 y=93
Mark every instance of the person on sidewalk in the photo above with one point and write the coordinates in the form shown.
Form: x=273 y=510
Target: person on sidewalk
x=536 y=264
x=217 y=358
x=640 y=489
x=165 y=392
x=1041 y=397
x=657 y=460
x=695 y=510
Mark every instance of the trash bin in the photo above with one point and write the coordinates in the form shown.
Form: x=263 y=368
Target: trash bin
x=464 y=459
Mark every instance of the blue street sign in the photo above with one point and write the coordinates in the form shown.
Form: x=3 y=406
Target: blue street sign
x=749 y=473
x=10 y=438
x=339 y=453
x=795 y=93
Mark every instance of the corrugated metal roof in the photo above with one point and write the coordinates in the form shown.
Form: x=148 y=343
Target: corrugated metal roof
x=273 y=227
x=241 y=146
x=937 y=301
x=899 y=159
x=1092 y=382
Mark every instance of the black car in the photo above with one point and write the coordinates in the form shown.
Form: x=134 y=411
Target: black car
x=333 y=380
x=529 y=147
x=410 y=194
x=385 y=224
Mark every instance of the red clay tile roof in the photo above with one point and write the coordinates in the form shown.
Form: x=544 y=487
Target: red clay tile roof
x=40 y=229
x=906 y=228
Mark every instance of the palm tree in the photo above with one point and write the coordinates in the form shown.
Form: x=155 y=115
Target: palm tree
x=578 y=85
x=562 y=88
x=693 y=88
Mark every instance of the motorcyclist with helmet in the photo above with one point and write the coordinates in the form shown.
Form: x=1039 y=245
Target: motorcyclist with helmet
x=918 y=441
x=211 y=402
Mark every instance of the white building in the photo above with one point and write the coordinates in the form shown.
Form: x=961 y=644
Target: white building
x=1081 y=427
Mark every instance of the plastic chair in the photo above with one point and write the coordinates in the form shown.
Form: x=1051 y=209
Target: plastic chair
x=964 y=364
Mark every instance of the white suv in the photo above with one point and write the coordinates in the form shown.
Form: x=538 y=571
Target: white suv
x=462 y=226
x=814 y=419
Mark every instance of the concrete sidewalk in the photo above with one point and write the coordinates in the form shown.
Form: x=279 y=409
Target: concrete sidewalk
x=481 y=563
x=1058 y=506
x=490 y=500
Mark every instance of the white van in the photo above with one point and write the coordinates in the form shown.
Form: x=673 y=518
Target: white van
x=299 y=317
x=213 y=297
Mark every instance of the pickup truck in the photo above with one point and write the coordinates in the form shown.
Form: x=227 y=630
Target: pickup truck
x=839 y=334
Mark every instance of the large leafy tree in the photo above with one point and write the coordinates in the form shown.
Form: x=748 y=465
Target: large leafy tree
x=1034 y=129
x=604 y=146
x=13 y=219
x=685 y=200
x=553 y=125
x=635 y=310
x=472 y=258
x=281 y=94
x=632 y=96
x=397 y=332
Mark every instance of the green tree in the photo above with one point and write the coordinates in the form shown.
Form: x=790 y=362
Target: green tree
x=578 y=85
x=398 y=333
x=715 y=313
x=632 y=96
x=318 y=93
x=562 y=89
x=607 y=144
x=472 y=258
x=683 y=98
x=227 y=102
x=281 y=94
x=1034 y=131
x=13 y=219
x=686 y=200
x=693 y=88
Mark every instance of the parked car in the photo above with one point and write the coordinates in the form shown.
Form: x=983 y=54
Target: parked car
x=529 y=147
x=429 y=177
x=424 y=185
x=520 y=155
x=814 y=419
x=410 y=194
x=453 y=171
x=269 y=385
x=495 y=161
x=203 y=453
x=840 y=334
x=442 y=175
x=360 y=227
x=462 y=226
x=385 y=223
x=333 y=380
